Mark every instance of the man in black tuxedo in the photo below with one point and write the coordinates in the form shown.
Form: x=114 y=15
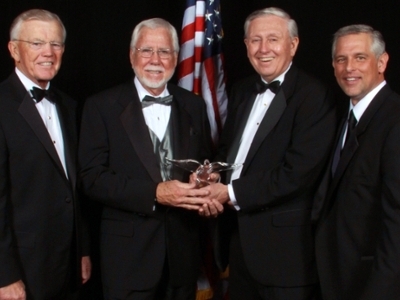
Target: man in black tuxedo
x=282 y=136
x=40 y=228
x=358 y=203
x=150 y=223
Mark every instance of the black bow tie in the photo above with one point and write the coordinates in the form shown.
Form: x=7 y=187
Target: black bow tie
x=39 y=94
x=148 y=100
x=261 y=86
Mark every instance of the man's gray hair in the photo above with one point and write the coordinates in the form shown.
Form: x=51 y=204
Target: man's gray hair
x=377 y=46
x=153 y=24
x=34 y=14
x=272 y=11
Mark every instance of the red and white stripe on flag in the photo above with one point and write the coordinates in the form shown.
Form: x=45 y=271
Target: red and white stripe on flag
x=201 y=68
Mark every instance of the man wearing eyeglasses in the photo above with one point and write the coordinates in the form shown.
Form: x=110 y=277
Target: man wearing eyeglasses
x=150 y=224
x=41 y=251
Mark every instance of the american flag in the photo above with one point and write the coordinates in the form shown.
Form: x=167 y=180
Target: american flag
x=201 y=60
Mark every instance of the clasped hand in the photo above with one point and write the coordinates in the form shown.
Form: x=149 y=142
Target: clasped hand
x=188 y=196
x=14 y=291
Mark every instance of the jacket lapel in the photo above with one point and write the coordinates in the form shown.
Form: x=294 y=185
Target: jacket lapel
x=352 y=144
x=244 y=109
x=29 y=112
x=181 y=132
x=321 y=195
x=324 y=198
x=181 y=127
x=135 y=126
x=272 y=116
x=69 y=138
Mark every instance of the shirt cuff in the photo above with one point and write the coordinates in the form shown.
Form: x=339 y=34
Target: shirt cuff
x=232 y=197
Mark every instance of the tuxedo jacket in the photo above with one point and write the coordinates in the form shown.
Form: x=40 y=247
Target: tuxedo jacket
x=39 y=228
x=119 y=168
x=278 y=179
x=358 y=209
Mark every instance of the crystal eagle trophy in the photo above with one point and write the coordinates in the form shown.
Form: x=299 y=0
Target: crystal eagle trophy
x=203 y=171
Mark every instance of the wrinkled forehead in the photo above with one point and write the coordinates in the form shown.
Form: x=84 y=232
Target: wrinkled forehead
x=154 y=36
x=37 y=28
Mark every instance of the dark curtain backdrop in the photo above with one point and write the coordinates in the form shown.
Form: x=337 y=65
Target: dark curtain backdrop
x=98 y=36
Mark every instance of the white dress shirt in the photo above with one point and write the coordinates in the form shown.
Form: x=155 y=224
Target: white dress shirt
x=258 y=111
x=156 y=115
x=49 y=115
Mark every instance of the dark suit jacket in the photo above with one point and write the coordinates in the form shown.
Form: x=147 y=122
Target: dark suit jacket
x=120 y=169
x=38 y=206
x=358 y=210
x=279 y=177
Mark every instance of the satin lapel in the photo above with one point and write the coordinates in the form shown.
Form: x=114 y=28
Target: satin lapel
x=135 y=126
x=352 y=144
x=181 y=132
x=181 y=128
x=67 y=127
x=269 y=121
x=244 y=109
x=28 y=110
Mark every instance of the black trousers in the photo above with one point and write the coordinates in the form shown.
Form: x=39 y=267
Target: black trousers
x=243 y=286
x=163 y=291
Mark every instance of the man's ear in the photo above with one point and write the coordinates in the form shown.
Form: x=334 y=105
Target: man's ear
x=382 y=62
x=14 y=50
x=293 y=45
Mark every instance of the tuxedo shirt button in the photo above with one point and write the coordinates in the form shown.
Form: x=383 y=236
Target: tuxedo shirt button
x=68 y=200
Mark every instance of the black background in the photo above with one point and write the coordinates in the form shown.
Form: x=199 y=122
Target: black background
x=98 y=37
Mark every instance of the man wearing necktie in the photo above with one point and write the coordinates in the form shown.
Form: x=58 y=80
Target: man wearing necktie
x=42 y=249
x=150 y=224
x=357 y=206
x=282 y=136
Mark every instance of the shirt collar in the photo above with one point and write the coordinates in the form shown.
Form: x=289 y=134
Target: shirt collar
x=363 y=104
x=28 y=84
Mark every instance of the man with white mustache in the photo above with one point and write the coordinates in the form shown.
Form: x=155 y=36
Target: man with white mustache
x=150 y=223
x=282 y=135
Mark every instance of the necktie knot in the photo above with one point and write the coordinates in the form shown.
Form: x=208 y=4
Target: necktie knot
x=38 y=94
x=261 y=86
x=148 y=100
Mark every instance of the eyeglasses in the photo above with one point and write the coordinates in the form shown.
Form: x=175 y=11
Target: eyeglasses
x=37 y=45
x=148 y=52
